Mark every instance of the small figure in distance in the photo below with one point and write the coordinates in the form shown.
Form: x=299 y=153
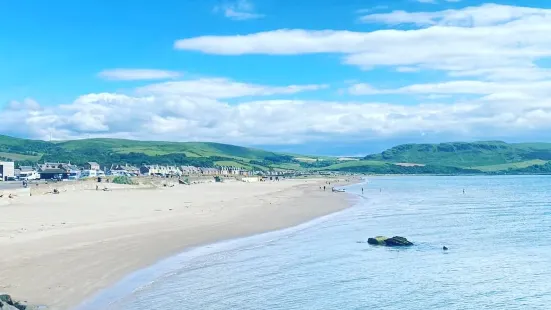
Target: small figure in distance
x=445 y=248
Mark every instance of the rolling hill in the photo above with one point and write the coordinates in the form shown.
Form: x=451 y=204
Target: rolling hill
x=490 y=157
x=484 y=156
x=109 y=151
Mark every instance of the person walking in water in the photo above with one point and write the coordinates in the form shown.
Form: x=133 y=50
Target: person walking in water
x=463 y=191
x=362 y=190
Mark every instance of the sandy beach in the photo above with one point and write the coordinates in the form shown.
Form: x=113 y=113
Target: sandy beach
x=60 y=249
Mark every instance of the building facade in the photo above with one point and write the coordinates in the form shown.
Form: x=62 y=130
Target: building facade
x=7 y=170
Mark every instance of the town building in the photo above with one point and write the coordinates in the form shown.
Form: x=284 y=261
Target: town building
x=7 y=170
x=59 y=171
x=124 y=170
x=91 y=166
x=190 y=170
x=209 y=171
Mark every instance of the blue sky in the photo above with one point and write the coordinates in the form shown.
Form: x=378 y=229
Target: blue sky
x=287 y=75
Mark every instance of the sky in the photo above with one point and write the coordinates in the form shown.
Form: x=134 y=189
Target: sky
x=328 y=77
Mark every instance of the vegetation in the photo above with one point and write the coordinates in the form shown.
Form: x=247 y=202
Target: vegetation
x=491 y=157
x=118 y=151
x=123 y=180
x=387 y=168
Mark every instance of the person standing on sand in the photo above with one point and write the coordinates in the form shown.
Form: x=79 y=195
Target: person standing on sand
x=324 y=188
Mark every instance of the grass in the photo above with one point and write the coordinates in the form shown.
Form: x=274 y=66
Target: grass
x=16 y=157
x=152 y=148
x=517 y=165
x=230 y=163
x=356 y=163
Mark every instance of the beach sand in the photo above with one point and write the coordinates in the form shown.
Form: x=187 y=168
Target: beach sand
x=60 y=249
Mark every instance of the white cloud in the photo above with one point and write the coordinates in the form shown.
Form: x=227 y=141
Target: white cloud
x=484 y=15
x=137 y=74
x=407 y=69
x=539 y=88
x=222 y=88
x=483 y=41
x=238 y=10
x=192 y=118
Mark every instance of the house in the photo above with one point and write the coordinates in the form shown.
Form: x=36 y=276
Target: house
x=224 y=170
x=153 y=170
x=124 y=170
x=209 y=171
x=91 y=166
x=55 y=171
x=7 y=170
x=190 y=170
x=173 y=170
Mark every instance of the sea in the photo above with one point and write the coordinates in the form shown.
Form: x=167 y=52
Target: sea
x=497 y=230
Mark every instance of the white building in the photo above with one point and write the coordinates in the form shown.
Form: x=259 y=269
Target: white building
x=7 y=170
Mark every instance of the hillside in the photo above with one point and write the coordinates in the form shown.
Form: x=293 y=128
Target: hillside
x=110 y=151
x=475 y=155
x=493 y=157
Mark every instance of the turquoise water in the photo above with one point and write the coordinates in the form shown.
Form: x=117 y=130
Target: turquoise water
x=498 y=233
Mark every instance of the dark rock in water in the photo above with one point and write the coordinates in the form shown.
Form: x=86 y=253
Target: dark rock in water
x=445 y=248
x=394 y=241
x=379 y=240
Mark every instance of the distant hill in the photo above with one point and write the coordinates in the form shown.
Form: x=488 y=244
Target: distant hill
x=492 y=157
x=477 y=155
x=109 y=151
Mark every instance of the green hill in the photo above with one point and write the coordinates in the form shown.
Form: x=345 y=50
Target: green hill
x=466 y=155
x=113 y=151
x=493 y=157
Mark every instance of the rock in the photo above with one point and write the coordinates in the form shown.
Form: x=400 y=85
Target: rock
x=5 y=306
x=394 y=241
x=6 y=303
x=6 y=298
x=379 y=240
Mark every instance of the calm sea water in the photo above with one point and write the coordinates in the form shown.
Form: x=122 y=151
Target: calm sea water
x=498 y=233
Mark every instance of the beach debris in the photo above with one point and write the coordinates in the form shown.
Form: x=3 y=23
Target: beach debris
x=391 y=242
x=55 y=191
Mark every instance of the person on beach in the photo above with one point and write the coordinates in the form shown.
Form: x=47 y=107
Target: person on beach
x=362 y=190
x=324 y=188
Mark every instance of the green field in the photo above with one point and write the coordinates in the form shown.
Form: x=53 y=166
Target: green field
x=517 y=165
x=16 y=157
x=355 y=163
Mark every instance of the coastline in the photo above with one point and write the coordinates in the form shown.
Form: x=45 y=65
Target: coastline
x=65 y=248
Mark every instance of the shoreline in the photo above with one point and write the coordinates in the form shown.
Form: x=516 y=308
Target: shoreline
x=74 y=245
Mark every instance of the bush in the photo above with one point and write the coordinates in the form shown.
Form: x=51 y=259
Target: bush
x=123 y=180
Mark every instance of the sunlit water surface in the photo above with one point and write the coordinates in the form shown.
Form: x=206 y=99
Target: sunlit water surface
x=498 y=234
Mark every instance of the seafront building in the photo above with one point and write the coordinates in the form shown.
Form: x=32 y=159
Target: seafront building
x=68 y=171
x=7 y=170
